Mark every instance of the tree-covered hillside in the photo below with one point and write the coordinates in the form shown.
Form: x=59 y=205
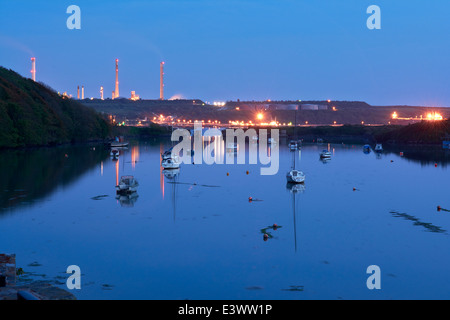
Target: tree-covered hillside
x=32 y=114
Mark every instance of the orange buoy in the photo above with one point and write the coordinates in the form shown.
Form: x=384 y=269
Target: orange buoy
x=438 y=208
x=275 y=226
x=265 y=237
x=250 y=199
x=401 y=154
x=247 y=172
x=435 y=165
x=354 y=189
x=228 y=174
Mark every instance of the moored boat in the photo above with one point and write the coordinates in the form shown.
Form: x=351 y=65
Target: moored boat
x=378 y=147
x=127 y=184
x=295 y=176
x=325 y=154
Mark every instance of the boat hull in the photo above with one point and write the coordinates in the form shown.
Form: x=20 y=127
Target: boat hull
x=295 y=176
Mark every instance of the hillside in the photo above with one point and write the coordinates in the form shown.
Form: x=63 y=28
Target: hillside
x=424 y=132
x=32 y=114
x=339 y=112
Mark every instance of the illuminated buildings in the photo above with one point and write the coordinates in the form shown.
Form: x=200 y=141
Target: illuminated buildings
x=134 y=96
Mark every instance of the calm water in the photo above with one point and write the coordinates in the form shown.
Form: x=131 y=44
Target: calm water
x=196 y=236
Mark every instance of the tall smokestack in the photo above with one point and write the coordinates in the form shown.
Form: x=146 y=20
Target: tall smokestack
x=116 y=92
x=112 y=96
x=101 y=93
x=78 y=92
x=161 y=80
x=82 y=92
x=33 y=69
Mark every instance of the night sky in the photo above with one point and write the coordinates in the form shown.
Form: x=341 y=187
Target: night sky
x=219 y=50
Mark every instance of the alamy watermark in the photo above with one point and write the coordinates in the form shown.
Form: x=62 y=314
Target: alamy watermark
x=209 y=145
x=74 y=281
x=74 y=20
x=374 y=281
x=374 y=21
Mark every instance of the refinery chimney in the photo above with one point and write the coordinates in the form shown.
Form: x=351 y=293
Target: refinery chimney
x=116 y=92
x=78 y=92
x=161 y=81
x=101 y=93
x=82 y=92
x=33 y=69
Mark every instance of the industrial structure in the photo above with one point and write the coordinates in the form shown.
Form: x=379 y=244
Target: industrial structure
x=161 y=80
x=78 y=92
x=33 y=69
x=101 y=93
x=116 y=91
x=82 y=92
x=134 y=96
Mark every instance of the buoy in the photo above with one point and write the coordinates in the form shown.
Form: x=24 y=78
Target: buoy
x=66 y=155
x=401 y=154
x=250 y=199
x=392 y=160
x=435 y=165
x=438 y=208
x=228 y=174
x=247 y=172
x=265 y=237
x=354 y=189
x=275 y=226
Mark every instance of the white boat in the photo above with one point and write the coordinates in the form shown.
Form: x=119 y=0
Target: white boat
x=295 y=176
x=378 y=147
x=325 y=154
x=272 y=141
x=293 y=145
x=119 y=142
x=231 y=146
x=127 y=184
x=171 y=162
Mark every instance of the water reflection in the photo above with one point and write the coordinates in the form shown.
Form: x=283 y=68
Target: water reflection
x=172 y=175
x=294 y=189
x=127 y=200
x=32 y=174
x=429 y=226
x=425 y=155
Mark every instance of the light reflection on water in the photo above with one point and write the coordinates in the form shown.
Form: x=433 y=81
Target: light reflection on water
x=194 y=234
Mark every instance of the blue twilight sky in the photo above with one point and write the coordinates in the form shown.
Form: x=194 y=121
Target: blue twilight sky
x=220 y=50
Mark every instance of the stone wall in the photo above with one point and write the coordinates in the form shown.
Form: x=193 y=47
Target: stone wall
x=8 y=267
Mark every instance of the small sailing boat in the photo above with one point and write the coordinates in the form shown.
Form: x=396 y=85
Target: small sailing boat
x=378 y=147
x=119 y=143
x=293 y=145
x=294 y=175
x=169 y=160
x=127 y=185
x=325 y=154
